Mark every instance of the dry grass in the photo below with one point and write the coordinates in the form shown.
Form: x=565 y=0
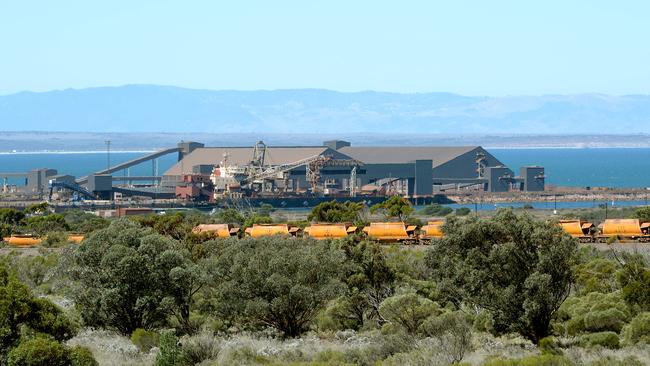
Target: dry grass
x=340 y=348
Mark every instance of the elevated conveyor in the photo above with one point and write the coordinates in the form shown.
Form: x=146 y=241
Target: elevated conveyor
x=133 y=162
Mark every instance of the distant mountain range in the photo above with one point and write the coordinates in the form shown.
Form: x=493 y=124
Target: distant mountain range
x=148 y=108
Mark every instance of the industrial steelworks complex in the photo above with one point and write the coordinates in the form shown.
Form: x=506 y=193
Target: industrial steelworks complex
x=335 y=169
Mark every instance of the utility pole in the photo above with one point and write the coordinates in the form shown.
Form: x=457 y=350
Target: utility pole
x=108 y=154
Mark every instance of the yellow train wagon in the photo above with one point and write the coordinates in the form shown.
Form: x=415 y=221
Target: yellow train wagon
x=322 y=231
x=218 y=230
x=76 y=238
x=581 y=230
x=634 y=229
x=432 y=231
x=23 y=241
x=261 y=230
x=391 y=232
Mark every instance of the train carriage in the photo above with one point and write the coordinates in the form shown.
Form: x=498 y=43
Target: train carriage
x=322 y=231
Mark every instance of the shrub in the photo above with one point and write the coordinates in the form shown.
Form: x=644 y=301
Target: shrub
x=170 y=353
x=603 y=339
x=41 y=225
x=611 y=361
x=81 y=356
x=129 y=278
x=39 y=352
x=454 y=333
x=596 y=275
x=55 y=239
x=395 y=206
x=436 y=209
x=278 y=282
x=144 y=340
x=518 y=267
x=537 y=360
x=334 y=211
x=200 y=347
x=463 y=211
x=638 y=330
x=634 y=279
x=594 y=312
x=408 y=311
x=548 y=345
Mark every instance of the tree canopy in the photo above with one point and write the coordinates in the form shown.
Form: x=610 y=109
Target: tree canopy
x=334 y=211
x=517 y=268
x=278 y=283
x=130 y=277
x=396 y=206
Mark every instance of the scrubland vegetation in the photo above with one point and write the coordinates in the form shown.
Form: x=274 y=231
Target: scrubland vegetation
x=505 y=290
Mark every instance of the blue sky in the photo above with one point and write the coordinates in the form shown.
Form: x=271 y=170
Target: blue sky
x=477 y=47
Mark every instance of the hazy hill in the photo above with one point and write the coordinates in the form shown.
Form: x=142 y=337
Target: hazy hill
x=145 y=108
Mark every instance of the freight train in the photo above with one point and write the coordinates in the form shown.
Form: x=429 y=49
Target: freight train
x=382 y=232
x=389 y=232
x=610 y=229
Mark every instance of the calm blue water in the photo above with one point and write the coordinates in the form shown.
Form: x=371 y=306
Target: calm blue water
x=565 y=167
x=621 y=168
x=79 y=164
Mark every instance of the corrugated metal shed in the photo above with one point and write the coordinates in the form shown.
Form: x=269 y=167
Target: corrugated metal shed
x=401 y=155
x=243 y=155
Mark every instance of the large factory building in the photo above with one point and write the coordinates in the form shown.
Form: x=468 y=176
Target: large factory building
x=339 y=168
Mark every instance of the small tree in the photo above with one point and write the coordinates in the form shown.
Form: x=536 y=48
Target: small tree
x=454 y=333
x=642 y=213
x=369 y=280
x=42 y=225
x=334 y=211
x=408 y=310
x=396 y=206
x=279 y=283
x=11 y=216
x=634 y=280
x=20 y=310
x=516 y=267
x=130 y=277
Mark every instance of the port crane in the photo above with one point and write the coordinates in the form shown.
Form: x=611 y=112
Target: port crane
x=257 y=173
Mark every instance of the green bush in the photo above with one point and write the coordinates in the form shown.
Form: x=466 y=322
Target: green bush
x=638 y=330
x=463 y=211
x=611 y=361
x=603 y=339
x=537 y=360
x=39 y=352
x=594 y=312
x=170 y=353
x=548 y=345
x=596 y=275
x=144 y=340
x=408 y=311
x=436 y=209
x=518 y=267
x=278 y=283
x=334 y=211
x=56 y=239
x=395 y=206
x=81 y=356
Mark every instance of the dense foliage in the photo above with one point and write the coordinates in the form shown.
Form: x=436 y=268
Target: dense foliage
x=394 y=207
x=335 y=211
x=516 y=267
x=184 y=298
x=278 y=283
x=131 y=277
